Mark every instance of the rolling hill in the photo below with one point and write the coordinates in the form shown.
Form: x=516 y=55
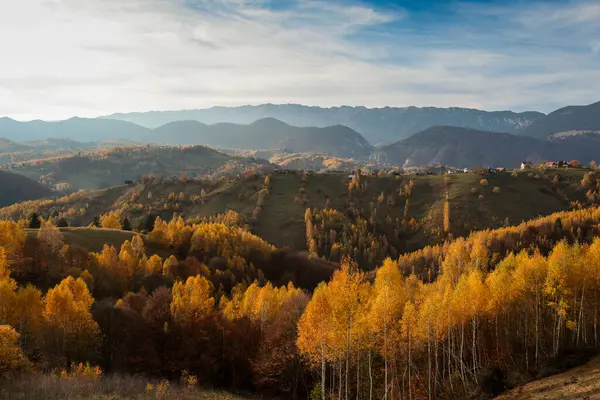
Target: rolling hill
x=567 y=119
x=281 y=220
x=377 y=125
x=17 y=188
x=267 y=133
x=105 y=168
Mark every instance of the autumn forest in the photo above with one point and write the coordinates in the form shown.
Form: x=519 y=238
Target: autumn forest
x=198 y=300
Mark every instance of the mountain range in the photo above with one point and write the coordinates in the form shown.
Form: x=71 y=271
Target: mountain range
x=461 y=147
x=267 y=133
x=377 y=125
x=472 y=136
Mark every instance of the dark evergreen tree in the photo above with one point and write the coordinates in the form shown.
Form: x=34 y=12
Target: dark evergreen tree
x=148 y=223
x=126 y=224
x=34 y=221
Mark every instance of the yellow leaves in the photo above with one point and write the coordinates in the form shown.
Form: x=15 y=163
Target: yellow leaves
x=129 y=258
x=8 y=300
x=476 y=294
x=314 y=326
x=68 y=308
x=446 y=215
x=154 y=265
x=88 y=279
x=169 y=264
x=112 y=220
x=29 y=310
x=4 y=270
x=388 y=298
x=192 y=301
x=12 y=358
x=561 y=261
x=12 y=239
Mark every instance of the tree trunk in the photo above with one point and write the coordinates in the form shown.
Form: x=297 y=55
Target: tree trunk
x=385 y=358
x=370 y=378
x=435 y=380
x=340 y=383
x=580 y=321
x=537 y=329
x=323 y=369
x=409 y=363
x=429 y=360
x=525 y=334
x=474 y=349
x=357 y=375
x=347 y=354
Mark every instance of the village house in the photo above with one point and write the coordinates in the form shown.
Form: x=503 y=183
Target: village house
x=525 y=165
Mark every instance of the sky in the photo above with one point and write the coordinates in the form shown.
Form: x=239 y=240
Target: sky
x=65 y=58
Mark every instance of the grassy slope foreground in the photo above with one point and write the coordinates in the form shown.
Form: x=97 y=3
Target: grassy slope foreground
x=114 y=387
x=582 y=382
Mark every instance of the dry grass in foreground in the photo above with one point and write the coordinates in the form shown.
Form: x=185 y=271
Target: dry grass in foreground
x=578 y=383
x=113 y=387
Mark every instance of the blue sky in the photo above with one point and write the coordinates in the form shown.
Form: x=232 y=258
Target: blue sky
x=71 y=57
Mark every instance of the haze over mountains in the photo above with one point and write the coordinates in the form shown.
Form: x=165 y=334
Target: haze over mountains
x=267 y=133
x=465 y=137
x=377 y=125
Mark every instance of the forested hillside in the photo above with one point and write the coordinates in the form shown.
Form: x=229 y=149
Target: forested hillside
x=294 y=284
x=377 y=215
x=499 y=310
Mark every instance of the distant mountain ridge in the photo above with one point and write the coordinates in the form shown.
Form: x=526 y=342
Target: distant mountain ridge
x=460 y=147
x=79 y=129
x=267 y=133
x=566 y=119
x=377 y=125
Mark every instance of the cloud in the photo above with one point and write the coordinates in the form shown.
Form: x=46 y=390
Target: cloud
x=71 y=57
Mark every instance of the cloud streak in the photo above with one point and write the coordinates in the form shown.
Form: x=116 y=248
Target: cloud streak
x=71 y=57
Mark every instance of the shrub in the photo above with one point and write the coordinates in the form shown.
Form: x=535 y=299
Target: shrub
x=491 y=381
x=474 y=190
x=496 y=190
x=483 y=182
x=481 y=197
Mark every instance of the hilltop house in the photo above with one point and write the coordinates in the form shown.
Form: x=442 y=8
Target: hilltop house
x=551 y=164
x=525 y=165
